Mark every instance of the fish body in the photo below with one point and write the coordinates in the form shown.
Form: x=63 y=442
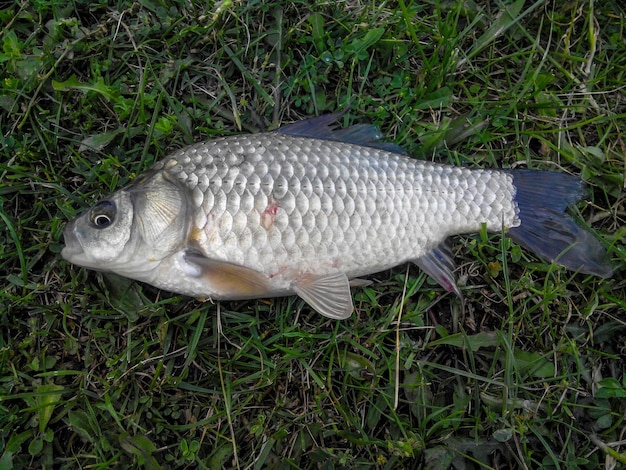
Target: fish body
x=307 y=209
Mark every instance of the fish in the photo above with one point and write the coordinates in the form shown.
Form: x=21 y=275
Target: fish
x=311 y=208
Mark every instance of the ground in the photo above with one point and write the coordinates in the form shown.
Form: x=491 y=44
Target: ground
x=100 y=372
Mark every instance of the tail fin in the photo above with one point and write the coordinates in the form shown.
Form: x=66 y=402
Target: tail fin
x=547 y=230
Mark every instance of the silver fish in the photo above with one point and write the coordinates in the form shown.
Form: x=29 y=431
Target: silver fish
x=308 y=208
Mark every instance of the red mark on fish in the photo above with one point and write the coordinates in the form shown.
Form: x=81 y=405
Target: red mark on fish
x=269 y=214
x=282 y=270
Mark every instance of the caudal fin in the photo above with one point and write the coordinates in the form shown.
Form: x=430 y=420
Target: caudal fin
x=550 y=232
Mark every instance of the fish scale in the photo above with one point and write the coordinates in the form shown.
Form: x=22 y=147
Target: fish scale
x=307 y=209
x=337 y=209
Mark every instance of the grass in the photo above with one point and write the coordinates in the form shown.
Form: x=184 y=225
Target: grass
x=100 y=372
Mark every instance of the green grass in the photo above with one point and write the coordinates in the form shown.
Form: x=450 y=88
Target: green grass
x=100 y=372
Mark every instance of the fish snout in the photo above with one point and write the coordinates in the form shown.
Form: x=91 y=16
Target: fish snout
x=72 y=246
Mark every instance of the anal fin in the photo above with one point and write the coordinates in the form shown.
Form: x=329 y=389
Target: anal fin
x=439 y=264
x=329 y=295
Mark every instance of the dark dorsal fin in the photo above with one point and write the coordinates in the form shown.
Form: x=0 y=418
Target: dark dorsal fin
x=324 y=127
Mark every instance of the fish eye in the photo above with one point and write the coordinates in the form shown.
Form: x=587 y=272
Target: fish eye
x=103 y=214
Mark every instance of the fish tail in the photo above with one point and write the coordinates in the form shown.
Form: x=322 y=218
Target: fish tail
x=548 y=230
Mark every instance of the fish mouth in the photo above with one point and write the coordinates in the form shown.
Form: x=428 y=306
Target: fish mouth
x=73 y=248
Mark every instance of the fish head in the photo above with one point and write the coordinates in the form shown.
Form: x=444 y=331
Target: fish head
x=100 y=236
x=132 y=231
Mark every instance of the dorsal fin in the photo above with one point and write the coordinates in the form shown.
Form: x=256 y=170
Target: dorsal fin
x=323 y=127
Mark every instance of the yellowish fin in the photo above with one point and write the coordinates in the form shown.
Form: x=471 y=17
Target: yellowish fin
x=230 y=280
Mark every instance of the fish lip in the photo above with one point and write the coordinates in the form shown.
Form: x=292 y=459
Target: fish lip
x=72 y=246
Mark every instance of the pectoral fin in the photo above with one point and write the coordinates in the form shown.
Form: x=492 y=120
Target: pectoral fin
x=438 y=264
x=231 y=281
x=328 y=295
